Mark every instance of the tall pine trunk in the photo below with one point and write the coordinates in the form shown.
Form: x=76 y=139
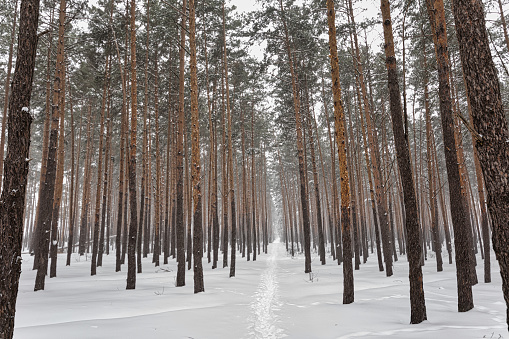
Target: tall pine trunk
x=131 y=251
x=458 y=207
x=15 y=168
x=300 y=150
x=339 y=127
x=489 y=122
x=417 y=302
x=48 y=189
x=7 y=88
x=195 y=171
x=180 y=227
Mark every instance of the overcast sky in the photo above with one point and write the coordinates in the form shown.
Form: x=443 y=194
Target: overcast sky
x=244 y=5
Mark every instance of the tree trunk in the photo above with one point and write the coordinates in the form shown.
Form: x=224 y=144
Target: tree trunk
x=180 y=227
x=321 y=241
x=253 y=187
x=48 y=189
x=195 y=172
x=7 y=88
x=45 y=141
x=489 y=122
x=98 y=195
x=58 y=181
x=106 y=189
x=300 y=151
x=381 y=196
x=458 y=212
x=339 y=126
x=144 y=149
x=417 y=302
x=224 y=171
x=72 y=197
x=157 y=216
x=230 y=157
x=131 y=255
x=431 y=173
x=15 y=168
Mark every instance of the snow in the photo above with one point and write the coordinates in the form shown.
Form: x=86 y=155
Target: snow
x=268 y=298
x=24 y=109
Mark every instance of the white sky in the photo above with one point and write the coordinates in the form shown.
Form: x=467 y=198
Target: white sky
x=244 y=6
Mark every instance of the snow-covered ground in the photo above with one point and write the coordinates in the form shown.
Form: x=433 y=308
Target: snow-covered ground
x=268 y=298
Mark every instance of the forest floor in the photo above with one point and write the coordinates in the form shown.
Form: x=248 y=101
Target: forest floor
x=268 y=298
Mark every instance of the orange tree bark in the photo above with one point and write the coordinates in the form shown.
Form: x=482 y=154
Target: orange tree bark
x=417 y=302
x=12 y=202
x=489 y=122
x=339 y=126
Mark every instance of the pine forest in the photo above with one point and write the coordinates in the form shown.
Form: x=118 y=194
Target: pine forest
x=254 y=169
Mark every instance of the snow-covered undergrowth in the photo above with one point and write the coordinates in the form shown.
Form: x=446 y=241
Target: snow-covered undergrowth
x=269 y=298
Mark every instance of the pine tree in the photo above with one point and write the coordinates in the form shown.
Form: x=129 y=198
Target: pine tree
x=15 y=168
x=492 y=132
x=339 y=127
x=417 y=302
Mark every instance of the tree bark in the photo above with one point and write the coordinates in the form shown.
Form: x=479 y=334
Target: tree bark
x=300 y=151
x=98 y=193
x=339 y=126
x=195 y=171
x=15 y=169
x=458 y=212
x=131 y=255
x=417 y=302
x=489 y=122
x=180 y=227
x=48 y=189
x=7 y=88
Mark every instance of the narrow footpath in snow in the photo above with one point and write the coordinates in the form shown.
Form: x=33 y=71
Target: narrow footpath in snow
x=266 y=303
